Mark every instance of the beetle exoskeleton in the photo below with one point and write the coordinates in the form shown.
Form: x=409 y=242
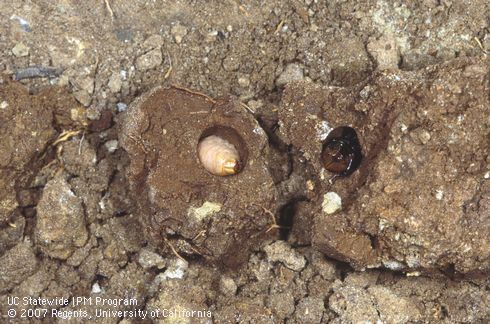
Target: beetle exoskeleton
x=341 y=153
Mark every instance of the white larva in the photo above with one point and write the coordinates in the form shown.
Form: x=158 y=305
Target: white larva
x=218 y=156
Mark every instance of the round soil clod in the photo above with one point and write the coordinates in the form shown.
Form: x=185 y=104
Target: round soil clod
x=180 y=202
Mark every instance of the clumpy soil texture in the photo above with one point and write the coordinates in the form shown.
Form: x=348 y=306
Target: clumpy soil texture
x=102 y=193
x=426 y=147
x=218 y=217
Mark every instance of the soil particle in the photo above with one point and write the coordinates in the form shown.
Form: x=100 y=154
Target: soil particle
x=361 y=309
x=180 y=295
x=178 y=32
x=348 y=62
x=385 y=51
x=16 y=265
x=175 y=270
x=149 y=60
x=281 y=304
x=280 y=251
x=20 y=50
x=79 y=157
x=115 y=82
x=149 y=259
x=228 y=286
x=393 y=308
x=331 y=202
x=309 y=310
x=60 y=227
x=111 y=145
x=84 y=86
x=292 y=72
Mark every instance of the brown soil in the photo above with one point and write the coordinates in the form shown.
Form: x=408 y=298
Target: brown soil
x=97 y=202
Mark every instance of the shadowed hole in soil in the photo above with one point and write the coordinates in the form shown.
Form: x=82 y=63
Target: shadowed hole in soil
x=270 y=126
x=374 y=241
x=286 y=217
x=343 y=268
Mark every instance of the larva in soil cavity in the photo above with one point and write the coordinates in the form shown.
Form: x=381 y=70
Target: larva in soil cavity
x=218 y=156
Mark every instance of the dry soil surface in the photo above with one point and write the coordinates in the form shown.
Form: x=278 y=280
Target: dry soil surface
x=106 y=212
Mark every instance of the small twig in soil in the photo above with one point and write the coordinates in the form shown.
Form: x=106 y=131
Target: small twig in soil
x=173 y=250
x=480 y=45
x=201 y=233
x=248 y=108
x=195 y=93
x=199 y=112
x=59 y=151
x=274 y=222
x=108 y=6
x=195 y=250
x=37 y=72
x=278 y=28
x=170 y=68
x=333 y=179
x=140 y=143
x=65 y=136
x=80 y=145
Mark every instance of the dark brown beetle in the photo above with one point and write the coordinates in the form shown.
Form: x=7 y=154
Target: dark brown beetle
x=341 y=153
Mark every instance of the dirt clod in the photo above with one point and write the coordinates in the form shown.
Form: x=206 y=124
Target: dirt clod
x=16 y=265
x=184 y=206
x=60 y=226
x=280 y=251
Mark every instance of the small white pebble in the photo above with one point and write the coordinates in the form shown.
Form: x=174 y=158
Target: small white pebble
x=111 y=145
x=413 y=274
x=424 y=137
x=258 y=131
x=178 y=32
x=123 y=74
x=20 y=50
x=393 y=265
x=487 y=175
x=244 y=81
x=331 y=202
x=322 y=130
x=4 y=104
x=310 y=185
x=439 y=194
x=121 y=106
x=176 y=269
x=96 y=288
